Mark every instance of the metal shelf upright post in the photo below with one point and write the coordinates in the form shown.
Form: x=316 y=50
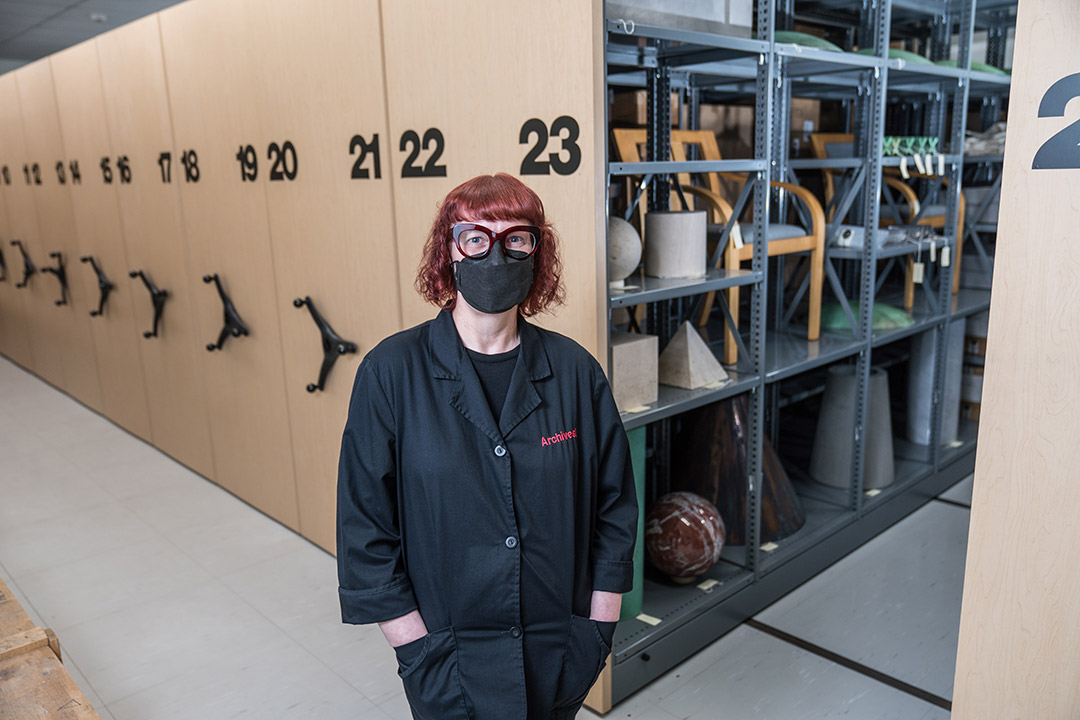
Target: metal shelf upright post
x=956 y=99
x=869 y=131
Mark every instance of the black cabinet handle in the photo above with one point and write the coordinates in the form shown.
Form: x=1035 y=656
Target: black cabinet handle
x=332 y=343
x=28 y=266
x=61 y=274
x=158 y=298
x=102 y=282
x=233 y=324
x=3 y=267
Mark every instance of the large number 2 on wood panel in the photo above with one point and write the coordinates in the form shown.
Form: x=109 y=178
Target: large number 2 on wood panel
x=1062 y=151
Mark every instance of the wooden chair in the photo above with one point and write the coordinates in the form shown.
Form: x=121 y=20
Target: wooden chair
x=783 y=239
x=826 y=145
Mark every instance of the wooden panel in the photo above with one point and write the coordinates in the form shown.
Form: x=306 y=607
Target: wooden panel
x=1018 y=656
x=56 y=222
x=47 y=336
x=36 y=685
x=330 y=233
x=137 y=110
x=14 y=334
x=208 y=68
x=478 y=72
x=81 y=109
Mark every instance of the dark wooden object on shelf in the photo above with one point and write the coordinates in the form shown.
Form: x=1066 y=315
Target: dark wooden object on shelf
x=710 y=459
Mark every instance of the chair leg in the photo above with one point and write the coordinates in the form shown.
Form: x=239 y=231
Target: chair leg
x=706 y=308
x=731 y=350
x=817 y=283
x=959 y=248
x=909 y=284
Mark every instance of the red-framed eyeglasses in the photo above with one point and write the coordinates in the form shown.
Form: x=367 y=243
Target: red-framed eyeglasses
x=475 y=241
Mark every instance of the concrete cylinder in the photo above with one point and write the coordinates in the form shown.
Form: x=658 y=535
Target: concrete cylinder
x=921 y=385
x=834 y=440
x=675 y=244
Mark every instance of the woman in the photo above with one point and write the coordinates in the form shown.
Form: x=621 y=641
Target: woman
x=486 y=502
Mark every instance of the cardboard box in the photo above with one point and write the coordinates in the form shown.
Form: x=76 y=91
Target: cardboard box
x=630 y=108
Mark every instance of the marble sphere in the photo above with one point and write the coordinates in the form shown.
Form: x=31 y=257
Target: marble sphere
x=684 y=535
x=624 y=249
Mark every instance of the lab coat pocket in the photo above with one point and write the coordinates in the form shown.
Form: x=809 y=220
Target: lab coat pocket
x=430 y=677
x=586 y=656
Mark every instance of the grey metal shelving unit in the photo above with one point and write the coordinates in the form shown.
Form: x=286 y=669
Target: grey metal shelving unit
x=704 y=67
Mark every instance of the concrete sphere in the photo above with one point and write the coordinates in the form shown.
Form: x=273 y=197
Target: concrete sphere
x=624 y=249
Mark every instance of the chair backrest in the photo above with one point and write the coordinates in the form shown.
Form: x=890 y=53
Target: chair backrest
x=831 y=145
x=630 y=144
x=630 y=147
x=707 y=148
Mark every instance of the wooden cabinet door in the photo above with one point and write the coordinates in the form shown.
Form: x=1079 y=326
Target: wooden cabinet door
x=81 y=110
x=316 y=84
x=502 y=86
x=14 y=331
x=137 y=115
x=56 y=224
x=208 y=71
x=49 y=344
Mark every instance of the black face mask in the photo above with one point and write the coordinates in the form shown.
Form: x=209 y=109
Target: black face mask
x=495 y=283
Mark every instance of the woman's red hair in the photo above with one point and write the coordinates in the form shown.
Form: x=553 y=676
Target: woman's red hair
x=490 y=197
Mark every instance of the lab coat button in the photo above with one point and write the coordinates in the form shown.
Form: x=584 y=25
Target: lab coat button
x=515 y=632
x=500 y=450
x=511 y=542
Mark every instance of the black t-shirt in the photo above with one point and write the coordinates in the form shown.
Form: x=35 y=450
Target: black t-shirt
x=495 y=372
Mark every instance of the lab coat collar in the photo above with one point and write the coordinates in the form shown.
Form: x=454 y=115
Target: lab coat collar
x=450 y=362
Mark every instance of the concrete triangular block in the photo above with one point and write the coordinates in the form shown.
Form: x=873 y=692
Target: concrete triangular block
x=687 y=362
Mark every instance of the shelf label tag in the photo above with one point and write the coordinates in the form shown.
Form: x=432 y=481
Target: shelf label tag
x=945 y=256
x=648 y=619
x=933 y=251
x=769 y=547
x=873 y=493
x=917 y=271
x=708 y=585
x=736 y=236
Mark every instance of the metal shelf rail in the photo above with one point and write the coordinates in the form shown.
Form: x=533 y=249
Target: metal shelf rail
x=680 y=620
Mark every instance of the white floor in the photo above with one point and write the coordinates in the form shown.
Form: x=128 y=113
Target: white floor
x=174 y=600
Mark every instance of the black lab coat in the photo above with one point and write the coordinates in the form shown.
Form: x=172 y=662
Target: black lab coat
x=498 y=532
